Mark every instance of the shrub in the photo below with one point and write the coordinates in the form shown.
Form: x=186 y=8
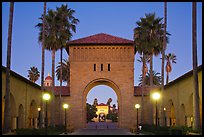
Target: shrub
x=32 y=131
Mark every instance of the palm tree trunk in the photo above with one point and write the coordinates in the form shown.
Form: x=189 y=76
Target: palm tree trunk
x=53 y=92
x=7 y=111
x=151 y=69
x=42 y=72
x=143 y=83
x=60 y=99
x=196 y=111
x=167 y=77
x=162 y=69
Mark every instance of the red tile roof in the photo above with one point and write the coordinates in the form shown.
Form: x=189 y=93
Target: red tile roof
x=101 y=38
x=65 y=90
x=102 y=104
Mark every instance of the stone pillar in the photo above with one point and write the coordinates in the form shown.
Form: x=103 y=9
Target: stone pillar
x=35 y=122
x=13 y=123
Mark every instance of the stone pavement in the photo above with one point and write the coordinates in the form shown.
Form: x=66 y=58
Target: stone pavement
x=86 y=131
x=101 y=128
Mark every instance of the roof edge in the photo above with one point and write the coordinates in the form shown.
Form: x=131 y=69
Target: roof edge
x=21 y=78
x=186 y=75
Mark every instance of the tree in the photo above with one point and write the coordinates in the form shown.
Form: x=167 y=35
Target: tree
x=144 y=67
x=109 y=101
x=156 y=79
x=112 y=116
x=196 y=110
x=33 y=74
x=66 y=26
x=162 y=67
x=43 y=65
x=114 y=108
x=51 y=43
x=7 y=111
x=169 y=58
x=65 y=71
x=95 y=103
x=148 y=38
x=91 y=112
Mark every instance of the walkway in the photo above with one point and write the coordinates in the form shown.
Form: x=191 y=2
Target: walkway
x=101 y=128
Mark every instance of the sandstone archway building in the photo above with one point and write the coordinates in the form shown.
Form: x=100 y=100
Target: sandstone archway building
x=101 y=59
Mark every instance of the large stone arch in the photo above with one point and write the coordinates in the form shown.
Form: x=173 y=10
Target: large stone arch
x=107 y=82
x=21 y=117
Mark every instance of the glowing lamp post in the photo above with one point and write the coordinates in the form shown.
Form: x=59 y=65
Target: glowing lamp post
x=165 y=116
x=156 y=96
x=46 y=97
x=39 y=116
x=137 y=106
x=65 y=106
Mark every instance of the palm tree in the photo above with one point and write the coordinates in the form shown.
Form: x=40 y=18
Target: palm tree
x=66 y=26
x=51 y=42
x=65 y=71
x=114 y=108
x=148 y=41
x=33 y=74
x=150 y=35
x=43 y=65
x=156 y=79
x=95 y=102
x=162 y=67
x=169 y=58
x=7 y=111
x=57 y=35
x=144 y=67
x=196 y=110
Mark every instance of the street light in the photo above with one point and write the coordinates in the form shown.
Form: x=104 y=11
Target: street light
x=46 y=97
x=156 y=96
x=137 y=106
x=65 y=106
x=165 y=116
x=39 y=116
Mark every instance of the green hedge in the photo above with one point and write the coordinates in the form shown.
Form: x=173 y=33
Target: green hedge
x=159 y=130
x=50 y=131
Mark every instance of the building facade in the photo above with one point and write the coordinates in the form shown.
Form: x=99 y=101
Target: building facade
x=101 y=59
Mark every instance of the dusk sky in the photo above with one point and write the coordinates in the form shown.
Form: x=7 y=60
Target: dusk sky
x=114 y=18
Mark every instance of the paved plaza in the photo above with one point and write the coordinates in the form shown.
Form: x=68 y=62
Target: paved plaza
x=101 y=128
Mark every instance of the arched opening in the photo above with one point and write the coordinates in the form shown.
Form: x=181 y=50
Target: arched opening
x=95 y=83
x=189 y=112
x=171 y=114
x=103 y=100
x=33 y=114
x=20 y=118
x=182 y=115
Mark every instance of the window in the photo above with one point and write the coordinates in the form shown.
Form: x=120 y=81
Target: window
x=101 y=67
x=108 y=67
x=94 y=67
